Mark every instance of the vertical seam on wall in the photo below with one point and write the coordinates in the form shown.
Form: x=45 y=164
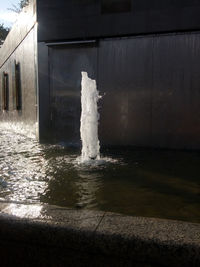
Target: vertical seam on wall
x=152 y=90
x=97 y=63
x=36 y=79
x=49 y=88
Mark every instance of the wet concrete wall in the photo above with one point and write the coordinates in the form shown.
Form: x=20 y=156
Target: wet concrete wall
x=74 y=19
x=152 y=91
x=150 y=86
x=150 y=83
x=20 y=49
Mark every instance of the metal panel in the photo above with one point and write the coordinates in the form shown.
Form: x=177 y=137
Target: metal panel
x=66 y=64
x=176 y=94
x=150 y=88
x=43 y=93
x=125 y=76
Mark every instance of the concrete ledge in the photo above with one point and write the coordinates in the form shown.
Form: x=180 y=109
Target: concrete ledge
x=34 y=235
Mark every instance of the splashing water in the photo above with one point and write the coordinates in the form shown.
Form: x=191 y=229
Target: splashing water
x=89 y=120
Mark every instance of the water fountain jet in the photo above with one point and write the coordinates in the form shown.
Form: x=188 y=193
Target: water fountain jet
x=89 y=119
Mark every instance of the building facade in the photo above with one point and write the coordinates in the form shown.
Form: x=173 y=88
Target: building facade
x=144 y=55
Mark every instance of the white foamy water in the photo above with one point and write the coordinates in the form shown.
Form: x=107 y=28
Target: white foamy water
x=89 y=119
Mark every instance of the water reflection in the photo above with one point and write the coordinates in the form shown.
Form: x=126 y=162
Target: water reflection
x=34 y=173
x=23 y=168
x=87 y=187
x=141 y=183
x=24 y=211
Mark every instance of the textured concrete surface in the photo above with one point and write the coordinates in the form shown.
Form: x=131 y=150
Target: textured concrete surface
x=25 y=22
x=24 y=120
x=35 y=235
x=162 y=242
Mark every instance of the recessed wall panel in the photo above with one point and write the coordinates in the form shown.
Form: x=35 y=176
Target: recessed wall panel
x=176 y=91
x=66 y=65
x=125 y=80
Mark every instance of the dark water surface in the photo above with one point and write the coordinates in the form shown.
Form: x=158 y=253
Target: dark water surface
x=164 y=184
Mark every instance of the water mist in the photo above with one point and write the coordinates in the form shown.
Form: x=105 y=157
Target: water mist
x=89 y=119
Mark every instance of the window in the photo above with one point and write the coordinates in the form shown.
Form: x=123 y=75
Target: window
x=115 y=6
x=17 y=87
x=5 y=92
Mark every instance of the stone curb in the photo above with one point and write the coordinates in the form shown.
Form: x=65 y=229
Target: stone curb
x=35 y=235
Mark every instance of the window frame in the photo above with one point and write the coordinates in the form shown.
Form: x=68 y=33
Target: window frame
x=116 y=6
x=5 y=91
x=17 y=87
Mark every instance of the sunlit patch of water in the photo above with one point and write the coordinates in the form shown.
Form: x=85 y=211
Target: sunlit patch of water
x=134 y=182
x=23 y=168
x=28 y=211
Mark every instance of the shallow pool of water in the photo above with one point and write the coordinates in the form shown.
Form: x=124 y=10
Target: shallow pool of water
x=163 y=184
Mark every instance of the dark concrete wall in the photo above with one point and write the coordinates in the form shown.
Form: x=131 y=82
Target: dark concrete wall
x=152 y=94
x=74 y=19
x=44 y=112
x=59 y=72
x=150 y=86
